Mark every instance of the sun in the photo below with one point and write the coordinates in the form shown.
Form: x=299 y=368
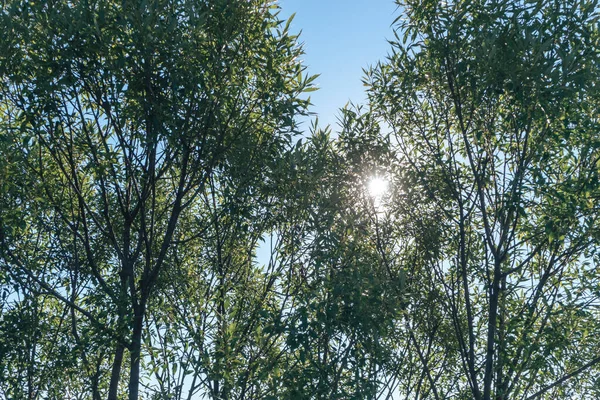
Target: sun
x=377 y=186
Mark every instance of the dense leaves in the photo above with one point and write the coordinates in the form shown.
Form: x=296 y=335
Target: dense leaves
x=137 y=126
x=490 y=106
x=166 y=234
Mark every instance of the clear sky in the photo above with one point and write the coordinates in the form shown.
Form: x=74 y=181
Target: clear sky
x=341 y=37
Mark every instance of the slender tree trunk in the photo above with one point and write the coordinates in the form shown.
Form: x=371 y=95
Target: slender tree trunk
x=30 y=373
x=136 y=351
x=491 y=336
x=221 y=392
x=470 y=354
x=500 y=381
x=115 y=375
x=95 y=390
x=116 y=372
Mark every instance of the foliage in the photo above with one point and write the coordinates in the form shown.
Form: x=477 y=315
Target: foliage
x=125 y=117
x=492 y=110
x=165 y=234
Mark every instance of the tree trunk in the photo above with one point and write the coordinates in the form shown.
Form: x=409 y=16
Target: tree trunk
x=116 y=372
x=95 y=391
x=136 y=351
x=491 y=336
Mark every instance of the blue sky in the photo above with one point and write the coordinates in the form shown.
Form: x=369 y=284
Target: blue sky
x=340 y=38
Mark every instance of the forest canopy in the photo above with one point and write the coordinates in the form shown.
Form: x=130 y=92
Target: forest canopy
x=169 y=230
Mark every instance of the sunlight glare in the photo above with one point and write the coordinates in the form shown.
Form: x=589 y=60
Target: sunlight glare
x=377 y=186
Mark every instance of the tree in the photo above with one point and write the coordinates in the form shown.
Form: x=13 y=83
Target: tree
x=122 y=117
x=148 y=148
x=492 y=109
x=346 y=281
